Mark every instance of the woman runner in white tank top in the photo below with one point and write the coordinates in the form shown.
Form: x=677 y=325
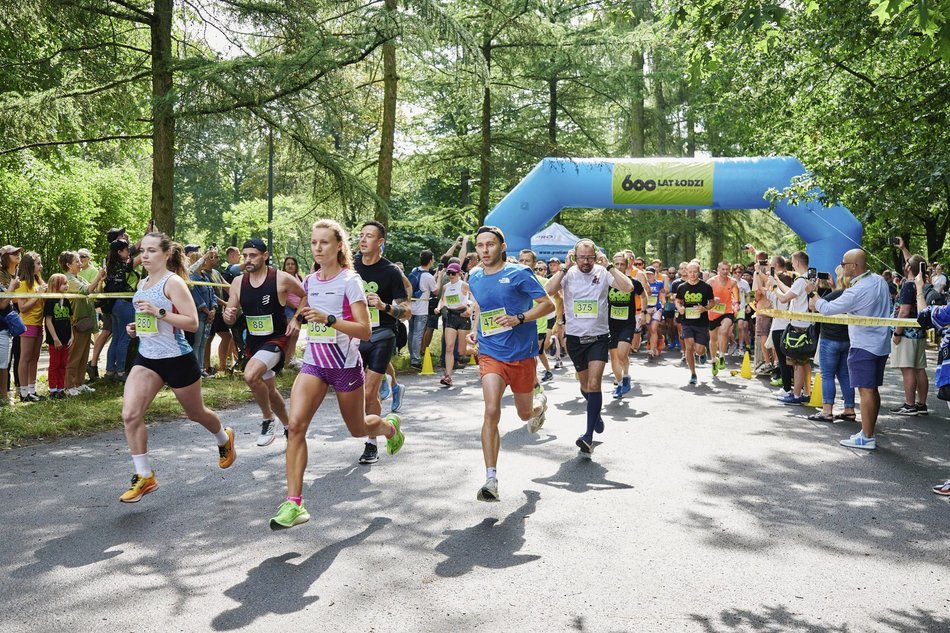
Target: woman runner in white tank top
x=164 y=310
x=456 y=323
x=337 y=318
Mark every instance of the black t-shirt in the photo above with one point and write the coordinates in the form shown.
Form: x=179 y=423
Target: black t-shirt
x=700 y=294
x=625 y=299
x=832 y=331
x=384 y=279
x=61 y=311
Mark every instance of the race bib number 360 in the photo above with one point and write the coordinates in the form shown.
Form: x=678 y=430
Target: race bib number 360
x=260 y=325
x=146 y=325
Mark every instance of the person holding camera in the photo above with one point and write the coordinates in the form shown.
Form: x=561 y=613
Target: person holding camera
x=796 y=296
x=909 y=344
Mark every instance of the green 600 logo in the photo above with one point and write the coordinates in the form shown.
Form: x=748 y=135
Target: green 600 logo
x=370 y=286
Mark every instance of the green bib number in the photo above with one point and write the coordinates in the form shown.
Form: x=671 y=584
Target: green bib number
x=260 y=325
x=146 y=324
x=487 y=322
x=585 y=308
x=651 y=300
x=620 y=313
x=693 y=312
x=374 y=317
x=720 y=308
x=320 y=333
x=453 y=300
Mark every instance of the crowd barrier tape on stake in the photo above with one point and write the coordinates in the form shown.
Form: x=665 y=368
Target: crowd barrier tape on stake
x=97 y=295
x=839 y=319
x=674 y=183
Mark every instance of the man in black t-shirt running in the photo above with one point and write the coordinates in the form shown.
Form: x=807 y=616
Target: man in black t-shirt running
x=388 y=304
x=693 y=298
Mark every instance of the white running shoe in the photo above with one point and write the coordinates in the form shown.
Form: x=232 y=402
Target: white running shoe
x=72 y=391
x=86 y=388
x=489 y=492
x=535 y=423
x=267 y=436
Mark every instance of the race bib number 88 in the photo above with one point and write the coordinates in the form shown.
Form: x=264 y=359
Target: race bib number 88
x=260 y=325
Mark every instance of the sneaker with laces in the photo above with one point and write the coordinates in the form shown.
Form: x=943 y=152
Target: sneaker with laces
x=226 y=452
x=905 y=409
x=921 y=409
x=618 y=392
x=548 y=375
x=72 y=391
x=792 y=399
x=370 y=454
x=715 y=368
x=384 y=389
x=141 y=486
x=288 y=515
x=586 y=445
x=394 y=443
x=535 y=423
x=693 y=380
x=268 y=433
x=397 y=390
x=489 y=491
x=93 y=371
x=776 y=382
x=625 y=386
x=860 y=440
x=702 y=359
x=558 y=364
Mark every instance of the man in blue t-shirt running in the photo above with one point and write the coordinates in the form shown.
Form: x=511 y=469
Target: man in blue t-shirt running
x=508 y=300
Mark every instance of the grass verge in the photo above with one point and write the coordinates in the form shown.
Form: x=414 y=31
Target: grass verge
x=26 y=423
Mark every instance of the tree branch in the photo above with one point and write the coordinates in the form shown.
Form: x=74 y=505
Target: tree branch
x=134 y=9
x=105 y=87
x=121 y=15
x=78 y=141
x=857 y=74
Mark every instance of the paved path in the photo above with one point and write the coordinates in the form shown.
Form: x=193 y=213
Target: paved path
x=706 y=509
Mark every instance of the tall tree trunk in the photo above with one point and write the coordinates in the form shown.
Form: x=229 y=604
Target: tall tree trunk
x=484 y=154
x=465 y=187
x=552 y=124
x=635 y=131
x=689 y=242
x=384 y=171
x=163 y=119
x=662 y=129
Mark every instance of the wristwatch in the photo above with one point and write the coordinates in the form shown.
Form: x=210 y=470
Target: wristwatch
x=161 y=313
x=521 y=317
x=609 y=266
x=330 y=320
x=388 y=308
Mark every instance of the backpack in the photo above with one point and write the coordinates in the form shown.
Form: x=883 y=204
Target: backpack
x=415 y=277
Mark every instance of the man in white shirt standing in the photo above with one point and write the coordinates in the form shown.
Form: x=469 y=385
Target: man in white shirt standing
x=796 y=296
x=423 y=285
x=586 y=285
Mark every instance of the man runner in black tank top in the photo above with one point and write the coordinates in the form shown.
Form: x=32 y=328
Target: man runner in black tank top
x=388 y=304
x=261 y=294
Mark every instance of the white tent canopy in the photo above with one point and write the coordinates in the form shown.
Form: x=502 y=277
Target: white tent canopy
x=553 y=241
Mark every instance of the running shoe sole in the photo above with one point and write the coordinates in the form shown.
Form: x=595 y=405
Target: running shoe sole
x=142 y=492
x=587 y=449
x=394 y=443
x=484 y=494
x=302 y=517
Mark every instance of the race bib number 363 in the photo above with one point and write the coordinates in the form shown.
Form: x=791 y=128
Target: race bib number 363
x=320 y=333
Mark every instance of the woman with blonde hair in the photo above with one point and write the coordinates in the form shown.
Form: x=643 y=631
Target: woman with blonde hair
x=31 y=311
x=833 y=347
x=337 y=319
x=164 y=310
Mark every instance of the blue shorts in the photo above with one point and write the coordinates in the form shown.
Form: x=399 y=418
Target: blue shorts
x=866 y=369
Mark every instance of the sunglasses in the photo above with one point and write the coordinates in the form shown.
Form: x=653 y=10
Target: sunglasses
x=84 y=257
x=452 y=273
x=540 y=269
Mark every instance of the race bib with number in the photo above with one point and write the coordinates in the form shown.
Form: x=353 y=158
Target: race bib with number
x=651 y=300
x=487 y=322
x=260 y=325
x=146 y=324
x=320 y=333
x=453 y=300
x=585 y=308
x=373 y=317
x=720 y=308
x=693 y=312
x=620 y=313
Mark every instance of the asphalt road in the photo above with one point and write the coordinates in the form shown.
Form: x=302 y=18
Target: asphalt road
x=707 y=509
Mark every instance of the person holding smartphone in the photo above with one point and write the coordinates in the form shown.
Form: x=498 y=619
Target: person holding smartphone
x=796 y=295
x=909 y=344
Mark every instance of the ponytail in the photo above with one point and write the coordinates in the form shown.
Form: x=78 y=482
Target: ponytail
x=176 y=254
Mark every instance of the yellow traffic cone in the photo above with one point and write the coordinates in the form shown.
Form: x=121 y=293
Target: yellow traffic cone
x=427 y=365
x=746 y=371
x=471 y=357
x=815 y=400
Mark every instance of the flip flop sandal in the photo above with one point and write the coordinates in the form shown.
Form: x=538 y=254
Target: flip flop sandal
x=943 y=489
x=821 y=417
x=847 y=417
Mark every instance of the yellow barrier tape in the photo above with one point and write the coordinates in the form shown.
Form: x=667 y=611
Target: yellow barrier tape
x=97 y=295
x=840 y=319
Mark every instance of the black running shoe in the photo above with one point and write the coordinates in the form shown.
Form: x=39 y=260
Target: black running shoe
x=370 y=454
x=586 y=446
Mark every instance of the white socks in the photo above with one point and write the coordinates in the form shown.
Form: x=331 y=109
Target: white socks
x=140 y=462
x=221 y=437
x=492 y=473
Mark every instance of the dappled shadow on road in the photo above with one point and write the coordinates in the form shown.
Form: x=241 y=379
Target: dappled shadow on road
x=280 y=586
x=581 y=475
x=488 y=544
x=521 y=438
x=780 y=619
x=832 y=505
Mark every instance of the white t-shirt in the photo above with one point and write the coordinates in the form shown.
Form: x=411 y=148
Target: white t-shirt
x=420 y=306
x=744 y=291
x=800 y=302
x=777 y=323
x=585 y=301
x=939 y=282
x=328 y=347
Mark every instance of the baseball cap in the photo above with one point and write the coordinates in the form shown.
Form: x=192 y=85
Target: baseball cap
x=651 y=269
x=6 y=250
x=453 y=268
x=192 y=248
x=255 y=243
x=117 y=245
x=554 y=259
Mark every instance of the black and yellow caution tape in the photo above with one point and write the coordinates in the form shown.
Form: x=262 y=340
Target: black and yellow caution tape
x=840 y=319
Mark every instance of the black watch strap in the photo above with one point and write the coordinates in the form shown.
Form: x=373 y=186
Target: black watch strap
x=521 y=317
x=331 y=320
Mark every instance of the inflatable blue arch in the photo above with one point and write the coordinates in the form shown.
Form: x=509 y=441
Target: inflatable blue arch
x=673 y=183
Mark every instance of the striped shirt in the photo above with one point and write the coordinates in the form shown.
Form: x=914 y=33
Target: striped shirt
x=334 y=296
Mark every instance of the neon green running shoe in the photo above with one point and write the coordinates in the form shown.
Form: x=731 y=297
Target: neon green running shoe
x=776 y=382
x=715 y=367
x=289 y=514
x=394 y=443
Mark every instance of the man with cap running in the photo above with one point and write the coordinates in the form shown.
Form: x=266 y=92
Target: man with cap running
x=260 y=293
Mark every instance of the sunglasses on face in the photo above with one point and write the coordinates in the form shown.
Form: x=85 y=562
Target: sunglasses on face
x=452 y=273
x=540 y=269
x=84 y=257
